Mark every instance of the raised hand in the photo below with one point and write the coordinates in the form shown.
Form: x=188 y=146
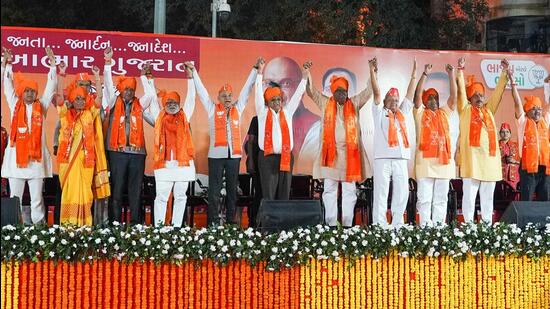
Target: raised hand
x=108 y=54
x=415 y=65
x=305 y=68
x=62 y=67
x=427 y=68
x=373 y=64
x=7 y=56
x=510 y=76
x=260 y=64
x=258 y=61
x=51 y=55
x=189 y=67
x=461 y=62
x=449 y=68
x=505 y=64
x=146 y=68
x=95 y=71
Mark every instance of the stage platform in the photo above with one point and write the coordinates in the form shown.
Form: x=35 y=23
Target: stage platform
x=466 y=266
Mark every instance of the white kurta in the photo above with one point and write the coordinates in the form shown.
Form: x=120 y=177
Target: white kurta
x=35 y=169
x=172 y=172
x=221 y=152
x=289 y=108
x=430 y=167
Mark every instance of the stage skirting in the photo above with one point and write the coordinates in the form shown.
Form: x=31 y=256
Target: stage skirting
x=389 y=282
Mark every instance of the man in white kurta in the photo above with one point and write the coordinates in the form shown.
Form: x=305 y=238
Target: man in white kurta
x=35 y=172
x=224 y=153
x=340 y=171
x=435 y=164
x=391 y=150
x=172 y=177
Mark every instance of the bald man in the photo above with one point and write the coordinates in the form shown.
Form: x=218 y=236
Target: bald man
x=287 y=73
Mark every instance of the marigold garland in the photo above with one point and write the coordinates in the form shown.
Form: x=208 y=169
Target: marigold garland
x=334 y=284
x=402 y=277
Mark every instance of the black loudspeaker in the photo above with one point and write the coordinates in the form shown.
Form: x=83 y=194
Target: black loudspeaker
x=274 y=216
x=522 y=213
x=10 y=211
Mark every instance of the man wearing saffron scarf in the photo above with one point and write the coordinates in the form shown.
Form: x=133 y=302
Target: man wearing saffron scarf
x=391 y=149
x=224 y=154
x=479 y=154
x=340 y=158
x=27 y=158
x=435 y=164
x=534 y=142
x=83 y=171
x=275 y=137
x=174 y=152
x=125 y=140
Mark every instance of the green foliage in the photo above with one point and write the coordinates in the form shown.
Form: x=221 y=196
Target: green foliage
x=223 y=244
x=389 y=23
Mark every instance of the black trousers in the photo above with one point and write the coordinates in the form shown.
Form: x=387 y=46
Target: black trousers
x=275 y=183
x=534 y=182
x=126 y=171
x=253 y=210
x=216 y=170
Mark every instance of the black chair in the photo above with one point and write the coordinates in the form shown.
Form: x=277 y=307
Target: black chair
x=195 y=200
x=301 y=187
x=365 y=200
x=411 y=203
x=452 y=202
x=245 y=197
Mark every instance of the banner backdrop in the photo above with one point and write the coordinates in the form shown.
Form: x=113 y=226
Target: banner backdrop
x=220 y=61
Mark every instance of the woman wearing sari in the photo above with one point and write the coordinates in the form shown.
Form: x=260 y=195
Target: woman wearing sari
x=81 y=155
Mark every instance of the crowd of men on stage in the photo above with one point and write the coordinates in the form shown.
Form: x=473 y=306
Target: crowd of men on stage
x=100 y=144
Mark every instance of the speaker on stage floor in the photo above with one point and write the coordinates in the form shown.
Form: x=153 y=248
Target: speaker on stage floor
x=10 y=211
x=274 y=216
x=521 y=213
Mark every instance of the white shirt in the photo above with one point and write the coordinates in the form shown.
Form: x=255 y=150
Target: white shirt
x=34 y=169
x=382 y=150
x=171 y=171
x=222 y=152
x=289 y=108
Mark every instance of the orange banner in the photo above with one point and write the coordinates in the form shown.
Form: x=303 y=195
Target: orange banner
x=221 y=61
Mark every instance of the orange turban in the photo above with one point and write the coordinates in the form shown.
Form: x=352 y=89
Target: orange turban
x=338 y=82
x=226 y=88
x=76 y=92
x=73 y=91
x=393 y=92
x=427 y=93
x=22 y=83
x=165 y=96
x=472 y=86
x=271 y=92
x=530 y=102
x=124 y=82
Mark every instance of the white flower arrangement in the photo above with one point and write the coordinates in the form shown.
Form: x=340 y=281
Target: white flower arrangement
x=285 y=249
